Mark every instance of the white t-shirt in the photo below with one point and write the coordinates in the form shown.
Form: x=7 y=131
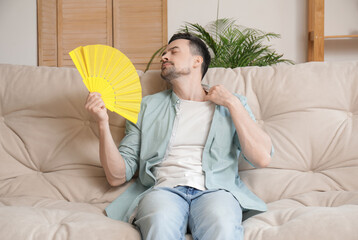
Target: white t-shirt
x=183 y=165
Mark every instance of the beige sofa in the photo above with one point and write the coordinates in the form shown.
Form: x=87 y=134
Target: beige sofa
x=52 y=185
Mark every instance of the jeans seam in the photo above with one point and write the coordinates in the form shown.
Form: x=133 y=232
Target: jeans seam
x=184 y=225
x=185 y=222
x=192 y=228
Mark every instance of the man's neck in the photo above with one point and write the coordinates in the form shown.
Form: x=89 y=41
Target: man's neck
x=187 y=88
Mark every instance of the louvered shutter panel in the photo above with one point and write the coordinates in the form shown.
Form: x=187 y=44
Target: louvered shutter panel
x=140 y=28
x=47 y=32
x=136 y=27
x=80 y=23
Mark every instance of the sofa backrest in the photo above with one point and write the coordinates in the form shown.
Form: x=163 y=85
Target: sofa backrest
x=49 y=143
x=310 y=111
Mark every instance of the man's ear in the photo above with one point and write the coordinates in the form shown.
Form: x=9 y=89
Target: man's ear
x=198 y=60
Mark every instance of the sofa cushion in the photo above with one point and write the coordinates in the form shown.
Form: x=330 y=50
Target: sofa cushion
x=42 y=223
x=311 y=113
x=44 y=128
x=312 y=223
x=49 y=142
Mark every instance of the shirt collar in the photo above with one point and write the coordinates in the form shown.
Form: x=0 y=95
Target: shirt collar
x=175 y=99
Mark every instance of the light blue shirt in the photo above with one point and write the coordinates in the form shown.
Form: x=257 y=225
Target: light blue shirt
x=146 y=144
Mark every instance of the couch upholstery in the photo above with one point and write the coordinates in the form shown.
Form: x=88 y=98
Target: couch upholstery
x=52 y=185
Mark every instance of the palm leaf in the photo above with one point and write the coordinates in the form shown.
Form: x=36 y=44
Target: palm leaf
x=159 y=52
x=233 y=45
x=201 y=33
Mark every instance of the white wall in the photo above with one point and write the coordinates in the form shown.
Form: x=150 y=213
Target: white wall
x=341 y=18
x=18 y=32
x=285 y=17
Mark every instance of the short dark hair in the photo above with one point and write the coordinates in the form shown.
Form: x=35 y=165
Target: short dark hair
x=197 y=47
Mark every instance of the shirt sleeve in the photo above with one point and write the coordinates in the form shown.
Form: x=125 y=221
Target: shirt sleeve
x=243 y=101
x=129 y=147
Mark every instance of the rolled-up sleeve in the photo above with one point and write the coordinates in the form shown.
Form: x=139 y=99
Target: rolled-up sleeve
x=243 y=101
x=129 y=147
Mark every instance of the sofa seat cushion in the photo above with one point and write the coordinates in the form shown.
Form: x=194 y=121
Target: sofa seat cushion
x=307 y=215
x=329 y=223
x=54 y=204
x=21 y=222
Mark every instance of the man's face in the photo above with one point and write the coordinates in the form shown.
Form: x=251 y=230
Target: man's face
x=176 y=60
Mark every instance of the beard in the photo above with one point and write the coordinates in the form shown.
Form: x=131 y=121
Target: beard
x=170 y=73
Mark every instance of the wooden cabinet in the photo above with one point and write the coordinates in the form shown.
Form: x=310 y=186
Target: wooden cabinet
x=137 y=28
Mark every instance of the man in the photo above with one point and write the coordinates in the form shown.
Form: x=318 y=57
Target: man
x=186 y=145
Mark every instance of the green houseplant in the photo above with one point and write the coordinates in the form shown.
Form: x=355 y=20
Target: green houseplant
x=232 y=45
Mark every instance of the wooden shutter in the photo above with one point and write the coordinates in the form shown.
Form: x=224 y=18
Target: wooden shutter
x=140 y=28
x=137 y=28
x=47 y=32
x=80 y=23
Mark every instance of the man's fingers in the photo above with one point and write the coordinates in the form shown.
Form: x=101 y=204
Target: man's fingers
x=95 y=94
x=214 y=90
x=208 y=97
x=95 y=103
x=219 y=95
x=92 y=97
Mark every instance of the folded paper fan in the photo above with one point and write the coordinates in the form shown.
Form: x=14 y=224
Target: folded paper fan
x=108 y=71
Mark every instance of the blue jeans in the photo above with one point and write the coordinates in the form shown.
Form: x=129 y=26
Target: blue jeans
x=167 y=213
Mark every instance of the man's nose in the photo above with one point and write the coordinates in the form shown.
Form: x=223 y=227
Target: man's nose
x=164 y=58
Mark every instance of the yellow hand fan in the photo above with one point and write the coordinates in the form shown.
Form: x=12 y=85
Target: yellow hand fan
x=108 y=71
